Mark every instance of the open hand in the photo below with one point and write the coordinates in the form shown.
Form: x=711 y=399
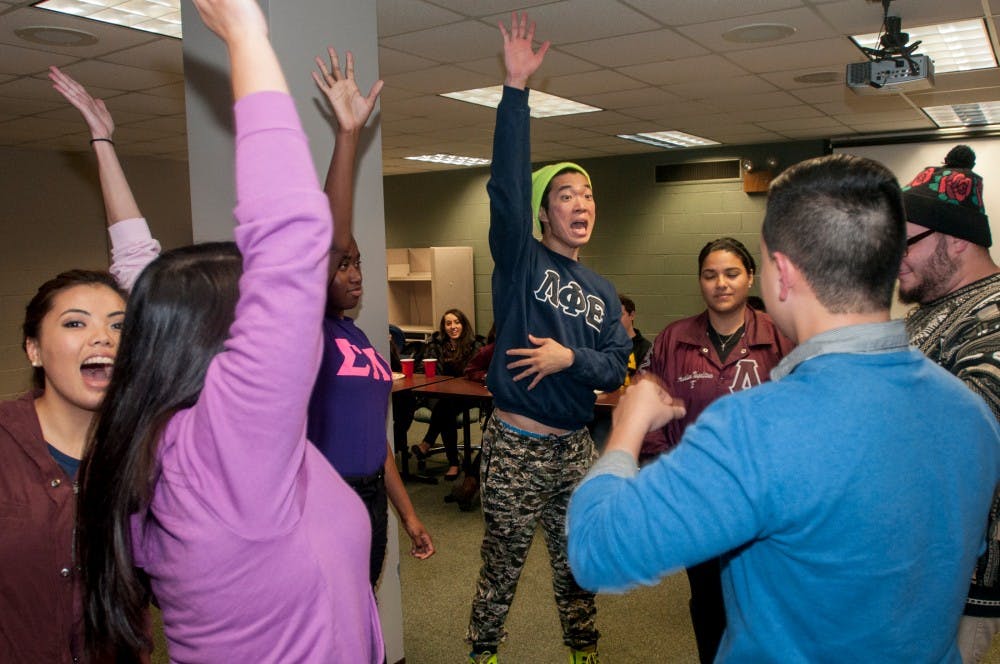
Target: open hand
x=548 y=357
x=350 y=107
x=519 y=59
x=94 y=112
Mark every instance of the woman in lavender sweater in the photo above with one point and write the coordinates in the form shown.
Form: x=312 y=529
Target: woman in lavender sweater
x=200 y=486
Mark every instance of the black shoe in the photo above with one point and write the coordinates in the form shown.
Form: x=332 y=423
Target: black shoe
x=451 y=477
x=417 y=452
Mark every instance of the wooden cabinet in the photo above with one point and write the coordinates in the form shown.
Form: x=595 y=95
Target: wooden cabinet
x=426 y=282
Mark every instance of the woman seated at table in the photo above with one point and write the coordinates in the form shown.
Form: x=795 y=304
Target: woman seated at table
x=453 y=345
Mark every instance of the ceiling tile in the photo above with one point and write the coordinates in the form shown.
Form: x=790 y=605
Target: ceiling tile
x=109 y=37
x=709 y=87
x=635 y=49
x=21 y=61
x=628 y=98
x=94 y=72
x=41 y=88
x=457 y=42
x=588 y=83
x=809 y=27
x=574 y=21
x=392 y=62
x=443 y=78
x=399 y=16
x=556 y=63
x=835 y=52
x=164 y=54
x=850 y=17
x=684 y=71
x=685 y=12
x=136 y=102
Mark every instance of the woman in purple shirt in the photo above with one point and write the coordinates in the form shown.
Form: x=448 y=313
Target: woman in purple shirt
x=200 y=485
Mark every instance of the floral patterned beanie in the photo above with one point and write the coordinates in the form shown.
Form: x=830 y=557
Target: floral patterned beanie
x=949 y=198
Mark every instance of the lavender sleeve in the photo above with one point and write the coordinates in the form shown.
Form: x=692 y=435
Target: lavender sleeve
x=132 y=249
x=243 y=444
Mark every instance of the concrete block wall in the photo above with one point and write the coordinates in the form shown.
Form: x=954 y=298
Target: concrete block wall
x=647 y=236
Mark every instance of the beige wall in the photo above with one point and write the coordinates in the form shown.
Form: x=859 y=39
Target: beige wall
x=647 y=236
x=52 y=219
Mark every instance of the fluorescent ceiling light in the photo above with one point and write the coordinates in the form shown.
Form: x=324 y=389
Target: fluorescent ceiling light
x=542 y=105
x=958 y=46
x=669 y=139
x=160 y=16
x=454 y=160
x=965 y=115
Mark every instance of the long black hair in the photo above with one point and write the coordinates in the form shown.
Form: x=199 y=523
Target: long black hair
x=41 y=304
x=178 y=318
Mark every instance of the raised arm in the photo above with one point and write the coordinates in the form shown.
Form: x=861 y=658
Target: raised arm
x=119 y=203
x=352 y=111
x=250 y=418
x=132 y=246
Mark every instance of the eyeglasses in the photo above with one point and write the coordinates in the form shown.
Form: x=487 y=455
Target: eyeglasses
x=910 y=241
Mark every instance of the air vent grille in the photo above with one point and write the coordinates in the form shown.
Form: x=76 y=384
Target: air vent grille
x=699 y=171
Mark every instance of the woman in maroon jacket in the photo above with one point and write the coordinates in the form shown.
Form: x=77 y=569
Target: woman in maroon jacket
x=726 y=348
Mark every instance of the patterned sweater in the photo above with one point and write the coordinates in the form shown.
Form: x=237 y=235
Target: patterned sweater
x=961 y=332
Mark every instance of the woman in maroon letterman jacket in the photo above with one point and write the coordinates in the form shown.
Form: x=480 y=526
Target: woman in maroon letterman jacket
x=726 y=348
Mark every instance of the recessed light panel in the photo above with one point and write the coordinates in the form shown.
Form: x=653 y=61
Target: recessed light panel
x=451 y=159
x=160 y=16
x=543 y=105
x=758 y=33
x=965 y=115
x=670 y=140
x=959 y=46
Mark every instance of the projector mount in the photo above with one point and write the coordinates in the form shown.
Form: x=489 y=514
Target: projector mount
x=893 y=41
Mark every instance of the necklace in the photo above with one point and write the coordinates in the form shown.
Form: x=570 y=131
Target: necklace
x=724 y=341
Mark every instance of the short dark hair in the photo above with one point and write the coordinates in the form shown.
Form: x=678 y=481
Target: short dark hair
x=41 y=304
x=733 y=246
x=840 y=220
x=627 y=303
x=180 y=312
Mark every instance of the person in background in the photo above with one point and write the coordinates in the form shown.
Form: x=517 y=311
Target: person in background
x=199 y=485
x=948 y=271
x=640 y=344
x=848 y=494
x=350 y=401
x=453 y=345
x=71 y=329
x=560 y=339
x=727 y=348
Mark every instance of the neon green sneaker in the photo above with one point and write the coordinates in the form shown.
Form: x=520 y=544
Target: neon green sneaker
x=483 y=658
x=584 y=657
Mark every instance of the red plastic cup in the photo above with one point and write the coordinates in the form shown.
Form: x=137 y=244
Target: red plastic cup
x=407 y=363
x=430 y=368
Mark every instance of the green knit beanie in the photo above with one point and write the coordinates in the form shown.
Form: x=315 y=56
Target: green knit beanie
x=540 y=180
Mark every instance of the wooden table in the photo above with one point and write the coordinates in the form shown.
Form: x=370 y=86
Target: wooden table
x=608 y=400
x=470 y=394
x=404 y=384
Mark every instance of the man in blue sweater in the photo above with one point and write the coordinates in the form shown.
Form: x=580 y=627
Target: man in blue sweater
x=558 y=339
x=848 y=496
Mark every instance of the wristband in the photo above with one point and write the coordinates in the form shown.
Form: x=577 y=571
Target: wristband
x=106 y=140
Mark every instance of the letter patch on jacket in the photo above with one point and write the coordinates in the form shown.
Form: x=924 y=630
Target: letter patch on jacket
x=571 y=299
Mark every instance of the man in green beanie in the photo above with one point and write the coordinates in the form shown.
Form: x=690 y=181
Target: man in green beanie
x=948 y=271
x=559 y=338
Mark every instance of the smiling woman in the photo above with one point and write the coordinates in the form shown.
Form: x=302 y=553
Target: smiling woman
x=71 y=329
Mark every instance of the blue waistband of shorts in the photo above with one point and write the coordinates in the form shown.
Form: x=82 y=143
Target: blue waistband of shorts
x=531 y=434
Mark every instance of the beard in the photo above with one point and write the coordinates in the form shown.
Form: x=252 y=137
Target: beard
x=935 y=276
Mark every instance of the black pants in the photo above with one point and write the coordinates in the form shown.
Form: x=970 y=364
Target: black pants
x=444 y=416
x=371 y=490
x=708 y=611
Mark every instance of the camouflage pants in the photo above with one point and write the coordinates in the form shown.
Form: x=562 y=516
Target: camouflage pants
x=528 y=479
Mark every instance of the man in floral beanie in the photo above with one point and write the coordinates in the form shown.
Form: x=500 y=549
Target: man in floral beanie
x=948 y=271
